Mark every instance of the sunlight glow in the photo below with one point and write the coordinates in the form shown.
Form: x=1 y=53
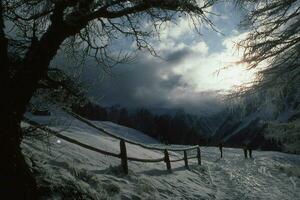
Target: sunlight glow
x=216 y=71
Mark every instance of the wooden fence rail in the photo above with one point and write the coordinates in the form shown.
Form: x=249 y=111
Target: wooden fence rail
x=123 y=151
x=128 y=141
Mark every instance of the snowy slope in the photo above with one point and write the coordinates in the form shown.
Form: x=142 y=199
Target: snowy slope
x=66 y=171
x=125 y=132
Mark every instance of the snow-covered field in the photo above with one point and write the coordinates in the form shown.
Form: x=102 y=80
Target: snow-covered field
x=67 y=171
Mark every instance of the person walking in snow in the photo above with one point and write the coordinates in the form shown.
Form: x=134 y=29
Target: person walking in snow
x=221 y=148
x=250 y=148
x=250 y=152
x=245 y=151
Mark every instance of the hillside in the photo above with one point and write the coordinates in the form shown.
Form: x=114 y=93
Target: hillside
x=255 y=119
x=67 y=171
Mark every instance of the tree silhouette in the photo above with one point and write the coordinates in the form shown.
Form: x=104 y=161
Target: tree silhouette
x=273 y=41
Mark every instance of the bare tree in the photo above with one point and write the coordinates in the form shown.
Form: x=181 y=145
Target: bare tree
x=36 y=29
x=273 y=40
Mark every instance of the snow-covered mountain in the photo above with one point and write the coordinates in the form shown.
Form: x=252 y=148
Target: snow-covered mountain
x=67 y=171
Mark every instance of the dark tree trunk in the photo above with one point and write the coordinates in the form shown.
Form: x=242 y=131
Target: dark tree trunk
x=16 y=179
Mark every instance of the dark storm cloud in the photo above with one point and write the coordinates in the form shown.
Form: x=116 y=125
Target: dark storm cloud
x=137 y=85
x=178 y=55
x=151 y=83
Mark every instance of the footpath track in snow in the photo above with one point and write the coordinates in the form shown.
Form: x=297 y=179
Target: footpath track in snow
x=260 y=178
x=63 y=168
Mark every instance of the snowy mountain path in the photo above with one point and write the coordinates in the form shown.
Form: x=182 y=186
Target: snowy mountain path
x=63 y=168
x=260 y=178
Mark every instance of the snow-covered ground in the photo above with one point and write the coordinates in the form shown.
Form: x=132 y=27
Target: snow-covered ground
x=67 y=171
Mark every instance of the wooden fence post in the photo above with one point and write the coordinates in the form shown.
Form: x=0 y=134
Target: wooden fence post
x=186 y=159
x=123 y=155
x=199 y=155
x=167 y=160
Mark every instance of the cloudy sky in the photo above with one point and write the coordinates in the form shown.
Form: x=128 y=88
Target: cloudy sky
x=189 y=75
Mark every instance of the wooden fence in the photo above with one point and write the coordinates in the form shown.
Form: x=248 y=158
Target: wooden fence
x=123 y=151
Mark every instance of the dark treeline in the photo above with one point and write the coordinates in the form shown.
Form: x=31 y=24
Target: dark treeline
x=178 y=128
